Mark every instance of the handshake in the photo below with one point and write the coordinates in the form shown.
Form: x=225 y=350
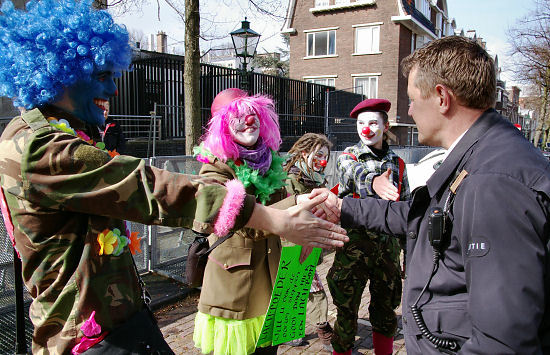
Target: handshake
x=311 y=223
x=324 y=204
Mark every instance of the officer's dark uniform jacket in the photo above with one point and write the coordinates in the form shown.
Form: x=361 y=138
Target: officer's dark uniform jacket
x=491 y=291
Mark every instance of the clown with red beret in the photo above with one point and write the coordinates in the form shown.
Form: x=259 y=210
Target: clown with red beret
x=368 y=168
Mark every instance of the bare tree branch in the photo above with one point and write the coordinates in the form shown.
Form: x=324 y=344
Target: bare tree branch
x=530 y=50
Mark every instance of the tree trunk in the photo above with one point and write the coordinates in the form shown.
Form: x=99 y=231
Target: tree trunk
x=544 y=109
x=191 y=76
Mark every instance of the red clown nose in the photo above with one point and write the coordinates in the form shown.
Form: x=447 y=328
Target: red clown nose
x=250 y=120
x=365 y=131
x=323 y=163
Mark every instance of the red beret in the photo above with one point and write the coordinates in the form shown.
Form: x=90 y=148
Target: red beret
x=371 y=105
x=225 y=97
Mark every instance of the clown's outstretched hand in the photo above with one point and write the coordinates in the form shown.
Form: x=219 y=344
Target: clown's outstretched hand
x=298 y=225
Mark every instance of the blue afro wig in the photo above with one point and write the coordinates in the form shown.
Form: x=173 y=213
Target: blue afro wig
x=54 y=44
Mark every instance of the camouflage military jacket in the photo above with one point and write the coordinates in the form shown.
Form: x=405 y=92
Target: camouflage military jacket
x=62 y=193
x=356 y=175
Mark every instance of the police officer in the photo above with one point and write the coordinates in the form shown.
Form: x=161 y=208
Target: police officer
x=478 y=233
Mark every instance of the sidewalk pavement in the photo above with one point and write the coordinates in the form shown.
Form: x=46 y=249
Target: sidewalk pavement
x=177 y=321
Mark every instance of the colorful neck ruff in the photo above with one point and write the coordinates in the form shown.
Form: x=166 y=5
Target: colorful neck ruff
x=265 y=185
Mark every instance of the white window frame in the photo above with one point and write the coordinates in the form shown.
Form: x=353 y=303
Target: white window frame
x=313 y=34
x=328 y=80
x=371 y=77
x=371 y=30
x=424 y=7
x=413 y=41
x=322 y=3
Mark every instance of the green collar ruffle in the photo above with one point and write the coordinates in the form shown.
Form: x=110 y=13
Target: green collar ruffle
x=265 y=185
x=271 y=181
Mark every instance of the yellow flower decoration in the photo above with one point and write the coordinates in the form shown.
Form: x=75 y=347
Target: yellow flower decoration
x=62 y=125
x=107 y=242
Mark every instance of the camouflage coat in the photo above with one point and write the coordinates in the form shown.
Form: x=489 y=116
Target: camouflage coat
x=61 y=193
x=368 y=256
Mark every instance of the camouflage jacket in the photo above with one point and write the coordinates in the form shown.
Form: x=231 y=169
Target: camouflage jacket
x=356 y=175
x=62 y=193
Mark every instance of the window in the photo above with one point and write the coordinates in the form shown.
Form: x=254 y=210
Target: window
x=413 y=136
x=367 y=39
x=367 y=86
x=322 y=81
x=424 y=7
x=321 y=43
x=321 y=3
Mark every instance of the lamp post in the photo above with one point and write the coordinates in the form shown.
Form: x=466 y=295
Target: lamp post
x=245 y=42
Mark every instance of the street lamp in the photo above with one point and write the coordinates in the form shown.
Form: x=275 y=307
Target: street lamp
x=245 y=42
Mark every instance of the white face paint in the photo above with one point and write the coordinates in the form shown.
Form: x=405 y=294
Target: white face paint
x=371 y=128
x=317 y=160
x=245 y=130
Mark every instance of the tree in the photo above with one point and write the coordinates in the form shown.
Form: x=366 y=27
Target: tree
x=188 y=12
x=530 y=49
x=274 y=63
x=191 y=76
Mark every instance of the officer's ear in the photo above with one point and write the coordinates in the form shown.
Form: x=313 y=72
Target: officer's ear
x=446 y=98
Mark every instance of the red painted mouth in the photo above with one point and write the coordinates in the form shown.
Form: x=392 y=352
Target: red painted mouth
x=101 y=103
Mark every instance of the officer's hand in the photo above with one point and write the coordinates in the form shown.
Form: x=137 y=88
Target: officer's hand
x=298 y=225
x=331 y=208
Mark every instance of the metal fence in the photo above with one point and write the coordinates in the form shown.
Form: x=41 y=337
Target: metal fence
x=156 y=85
x=7 y=297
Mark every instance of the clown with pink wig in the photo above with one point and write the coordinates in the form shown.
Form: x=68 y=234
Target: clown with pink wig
x=241 y=143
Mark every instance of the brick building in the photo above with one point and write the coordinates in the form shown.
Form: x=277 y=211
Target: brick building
x=357 y=45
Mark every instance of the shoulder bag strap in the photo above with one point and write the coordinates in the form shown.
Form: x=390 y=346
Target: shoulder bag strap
x=218 y=242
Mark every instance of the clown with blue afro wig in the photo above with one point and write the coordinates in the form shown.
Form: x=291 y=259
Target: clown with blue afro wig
x=55 y=45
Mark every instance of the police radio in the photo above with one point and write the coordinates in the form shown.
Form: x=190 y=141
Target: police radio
x=436 y=227
x=436 y=233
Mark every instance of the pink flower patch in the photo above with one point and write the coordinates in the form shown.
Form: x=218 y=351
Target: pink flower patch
x=90 y=327
x=86 y=343
x=92 y=335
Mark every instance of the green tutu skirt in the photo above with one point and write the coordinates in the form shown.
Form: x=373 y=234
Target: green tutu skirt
x=225 y=336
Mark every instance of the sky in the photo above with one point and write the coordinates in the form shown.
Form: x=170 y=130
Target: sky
x=490 y=19
x=219 y=18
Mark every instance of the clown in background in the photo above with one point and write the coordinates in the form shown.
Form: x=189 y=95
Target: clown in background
x=64 y=198
x=306 y=164
x=241 y=143
x=368 y=168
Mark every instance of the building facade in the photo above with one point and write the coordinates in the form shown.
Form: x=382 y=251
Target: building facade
x=357 y=45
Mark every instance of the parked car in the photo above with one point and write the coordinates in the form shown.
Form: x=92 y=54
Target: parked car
x=419 y=173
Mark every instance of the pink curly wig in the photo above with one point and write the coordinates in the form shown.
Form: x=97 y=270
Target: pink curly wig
x=218 y=138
